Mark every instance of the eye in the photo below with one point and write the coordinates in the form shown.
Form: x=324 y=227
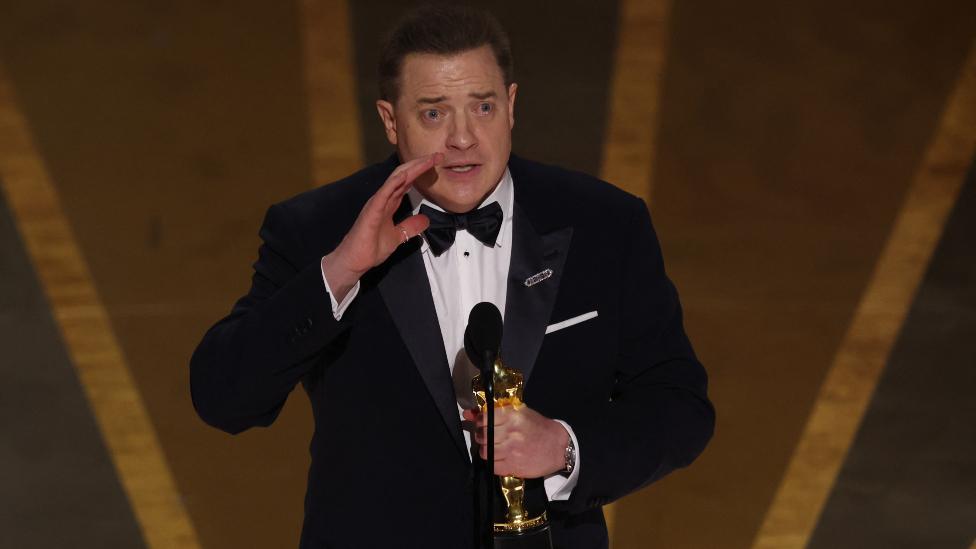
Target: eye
x=485 y=108
x=432 y=114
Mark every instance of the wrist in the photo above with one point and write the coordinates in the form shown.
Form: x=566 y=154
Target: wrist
x=339 y=259
x=341 y=278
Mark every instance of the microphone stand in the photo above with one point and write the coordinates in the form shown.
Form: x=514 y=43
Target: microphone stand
x=488 y=374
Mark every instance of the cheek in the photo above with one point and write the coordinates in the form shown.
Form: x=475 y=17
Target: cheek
x=498 y=145
x=421 y=140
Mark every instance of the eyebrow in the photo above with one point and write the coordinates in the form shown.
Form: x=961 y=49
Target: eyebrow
x=442 y=98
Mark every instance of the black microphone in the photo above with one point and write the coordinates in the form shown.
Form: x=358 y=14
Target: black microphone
x=483 y=334
x=482 y=341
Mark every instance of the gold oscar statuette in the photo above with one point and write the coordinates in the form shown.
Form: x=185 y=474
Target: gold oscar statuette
x=518 y=520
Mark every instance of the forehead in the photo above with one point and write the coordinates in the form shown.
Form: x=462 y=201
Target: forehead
x=429 y=74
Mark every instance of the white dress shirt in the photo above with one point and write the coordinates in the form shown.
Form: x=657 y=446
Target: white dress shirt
x=466 y=274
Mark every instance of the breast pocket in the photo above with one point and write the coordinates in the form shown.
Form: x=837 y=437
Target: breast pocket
x=562 y=325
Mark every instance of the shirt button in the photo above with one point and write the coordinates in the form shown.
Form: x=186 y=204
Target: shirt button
x=466 y=254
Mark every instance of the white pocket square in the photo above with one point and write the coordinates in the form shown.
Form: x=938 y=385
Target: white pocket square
x=571 y=321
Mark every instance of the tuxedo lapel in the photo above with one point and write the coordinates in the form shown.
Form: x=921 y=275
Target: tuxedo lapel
x=406 y=291
x=531 y=289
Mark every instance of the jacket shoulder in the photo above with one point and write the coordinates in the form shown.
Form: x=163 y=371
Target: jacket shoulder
x=343 y=195
x=577 y=194
x=316 y=220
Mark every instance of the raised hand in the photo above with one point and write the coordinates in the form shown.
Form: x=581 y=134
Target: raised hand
x=373 y=237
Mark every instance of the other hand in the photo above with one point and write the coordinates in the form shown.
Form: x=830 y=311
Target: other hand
x=527 y=444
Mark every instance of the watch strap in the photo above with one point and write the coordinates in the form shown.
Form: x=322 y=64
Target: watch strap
x=570 y=455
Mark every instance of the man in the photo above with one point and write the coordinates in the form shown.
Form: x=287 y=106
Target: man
x=362 y=289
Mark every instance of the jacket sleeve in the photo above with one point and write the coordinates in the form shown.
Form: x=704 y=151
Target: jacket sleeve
x=248 y=362
x=658 y=417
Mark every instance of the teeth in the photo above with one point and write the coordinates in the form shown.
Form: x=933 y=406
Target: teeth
x=462 y=169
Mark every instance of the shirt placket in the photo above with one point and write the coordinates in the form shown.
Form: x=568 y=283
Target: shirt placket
x=466 y=274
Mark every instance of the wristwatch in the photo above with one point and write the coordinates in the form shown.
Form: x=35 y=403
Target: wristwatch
x=570 y=455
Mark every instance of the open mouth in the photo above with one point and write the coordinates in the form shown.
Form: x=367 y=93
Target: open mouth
x=462 y=168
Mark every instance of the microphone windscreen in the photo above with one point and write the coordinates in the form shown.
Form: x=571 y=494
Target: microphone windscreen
x=484 y=331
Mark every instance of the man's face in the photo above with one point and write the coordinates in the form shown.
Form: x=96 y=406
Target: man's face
x=457 y=105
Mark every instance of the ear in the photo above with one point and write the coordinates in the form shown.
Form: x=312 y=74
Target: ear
x=385 y=110
x=512 y=89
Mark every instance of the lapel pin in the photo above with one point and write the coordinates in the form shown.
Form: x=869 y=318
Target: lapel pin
x=537 y=278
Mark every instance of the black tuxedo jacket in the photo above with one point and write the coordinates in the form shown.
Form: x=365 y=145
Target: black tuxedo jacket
x=389 y=464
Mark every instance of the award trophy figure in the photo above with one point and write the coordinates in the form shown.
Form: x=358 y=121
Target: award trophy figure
x=517 y=524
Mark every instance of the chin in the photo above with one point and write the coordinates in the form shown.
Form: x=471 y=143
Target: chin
x=460 y=206
x=462 y=196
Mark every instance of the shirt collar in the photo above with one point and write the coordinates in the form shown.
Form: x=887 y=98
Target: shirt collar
x=504 y=194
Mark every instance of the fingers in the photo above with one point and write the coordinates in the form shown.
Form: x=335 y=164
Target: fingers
x=503 y=415
x=502 y=435
x=395 y=182
x=405 y=173
x=390 y=195
x=411 y=227
x=507 y=422
x=505 y=455
x=504 y=463
x=503 y=469
x=416 y=167
x=501 y=452
x=402 y=234
x=392 y=183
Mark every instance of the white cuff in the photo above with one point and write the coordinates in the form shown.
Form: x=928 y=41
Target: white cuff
x=339 y=308
x=559 y=487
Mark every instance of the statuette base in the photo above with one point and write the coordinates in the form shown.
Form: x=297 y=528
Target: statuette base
x=538 y=538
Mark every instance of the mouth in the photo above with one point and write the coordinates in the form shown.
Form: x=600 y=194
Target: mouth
x=462 y=168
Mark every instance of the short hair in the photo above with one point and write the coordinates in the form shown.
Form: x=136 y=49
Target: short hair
x=443 y=30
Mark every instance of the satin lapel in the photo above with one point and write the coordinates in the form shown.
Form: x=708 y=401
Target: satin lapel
x=406 y=291
x=528 y=308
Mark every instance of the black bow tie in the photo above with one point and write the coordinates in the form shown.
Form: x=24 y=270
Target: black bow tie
x=483 y=224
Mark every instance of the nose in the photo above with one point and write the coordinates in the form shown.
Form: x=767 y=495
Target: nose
x=460 y=137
